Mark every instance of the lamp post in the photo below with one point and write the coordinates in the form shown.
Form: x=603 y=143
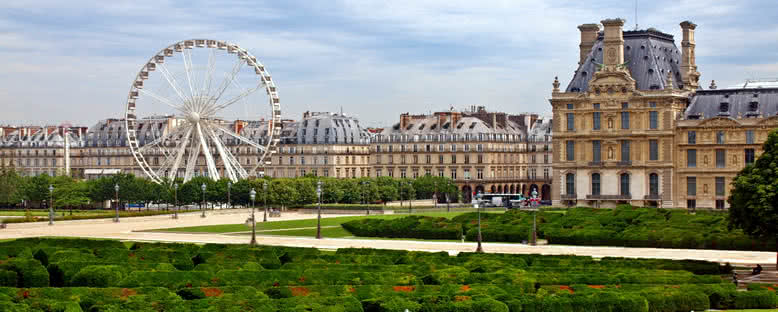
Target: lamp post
x=253 y=194
x=364 y=197
x=264 y=207
x=534 y=218
x=478 y=206
x=175 y=196
x=229 y=188
x=435 y=195
x=116 y=208
x=318 y=220
x=51 y=204
x=410 y=200
x=202 y=206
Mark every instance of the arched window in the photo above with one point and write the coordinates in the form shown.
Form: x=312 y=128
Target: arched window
x=595 y=184
x=570 y=184
x=653 y=184
x=624 y=184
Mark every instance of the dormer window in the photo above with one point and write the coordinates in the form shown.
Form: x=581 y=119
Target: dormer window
x=753 y=106
x=724 y=107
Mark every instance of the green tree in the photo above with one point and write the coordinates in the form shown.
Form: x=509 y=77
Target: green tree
x=70 y=194
x=36 y=188
x=407 y=192
x=11 y=190
x=754 y=197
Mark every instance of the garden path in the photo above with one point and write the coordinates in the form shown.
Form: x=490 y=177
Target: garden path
x=128 y=229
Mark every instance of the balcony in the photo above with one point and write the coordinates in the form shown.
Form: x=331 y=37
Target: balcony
x=624 y=163
x=652 y=197
x=609 y=197
x=569 y=196
x=596 y=163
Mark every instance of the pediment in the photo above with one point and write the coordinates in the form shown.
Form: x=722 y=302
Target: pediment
x=612 y=82
x=719 y=122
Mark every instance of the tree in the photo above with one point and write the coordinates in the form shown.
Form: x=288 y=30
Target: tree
x=754 y=197
x=10 y=186
x=36 y=188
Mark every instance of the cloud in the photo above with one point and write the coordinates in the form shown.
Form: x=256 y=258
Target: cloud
x=74 y=60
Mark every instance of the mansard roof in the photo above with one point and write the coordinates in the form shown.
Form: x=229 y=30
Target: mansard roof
x=648 y=54
x=734 y=103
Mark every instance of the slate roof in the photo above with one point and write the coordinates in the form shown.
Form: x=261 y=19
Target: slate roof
x=649 y=54
x=733 y=103
x=427 y=129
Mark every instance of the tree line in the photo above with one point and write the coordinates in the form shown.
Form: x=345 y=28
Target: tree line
x=286 y=192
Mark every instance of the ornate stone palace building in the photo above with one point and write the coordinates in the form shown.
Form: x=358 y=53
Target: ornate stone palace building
x=481 y=151
x=636 y=127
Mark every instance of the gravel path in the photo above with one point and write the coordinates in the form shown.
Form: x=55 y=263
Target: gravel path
x=128 y=229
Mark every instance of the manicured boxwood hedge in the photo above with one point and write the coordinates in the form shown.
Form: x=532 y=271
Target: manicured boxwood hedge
x=624 y=226
x=105 y=276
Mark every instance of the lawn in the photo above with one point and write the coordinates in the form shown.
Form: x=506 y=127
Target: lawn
x=293 y=224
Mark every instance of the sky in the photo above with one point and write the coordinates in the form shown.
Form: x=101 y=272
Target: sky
x=73 y=61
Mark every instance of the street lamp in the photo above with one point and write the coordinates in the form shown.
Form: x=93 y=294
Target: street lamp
x=435 y=195
x=51 y=205
x=175 y=196
x=202 y=206
x=534 y=218
x=229 y=187
x=116 y=208
x=253 y=194
x=318 y=220
x=264 y=207
x=410 y=200
x=364 y=197
x=478 y=206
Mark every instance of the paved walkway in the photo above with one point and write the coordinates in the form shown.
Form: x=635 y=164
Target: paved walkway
x=128 y=229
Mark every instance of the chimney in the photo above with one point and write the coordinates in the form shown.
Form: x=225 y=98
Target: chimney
x=588 y=38
x=404 y=119
x=689 y=73
x=613 y=42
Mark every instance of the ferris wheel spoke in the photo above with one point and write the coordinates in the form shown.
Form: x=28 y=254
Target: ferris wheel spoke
x=162 y=100
x=194 y=152
x=240 y=137
x=216 y=107
x=208 y=156
x=187 y=55
x=228 y=165
x=171 y=80
x=161 y=139
x=228 y=78
x=180 y=151
x=209 y=74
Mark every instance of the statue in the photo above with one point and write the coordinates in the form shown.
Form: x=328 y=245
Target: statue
x=610 y=152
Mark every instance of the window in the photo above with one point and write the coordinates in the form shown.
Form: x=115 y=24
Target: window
x=570 y=150
x=691 y=158
x=480 y=174
x=569 y=106
x=653 y=150
x=481 y=158
x=453 y=174
x=595 y=184
x=440 y=159
x=403 y=173
x=720 y=137
x=467 y=159
x=624 y=191
x=440 y=173
x=721 y=158
x=624 y=120
x=545 y=173
x=596 y=147
x=691 y=204
x=596 y=121
x=624 y=105
x=691 y=137
x=570 y=122
x=653 y=184
x=653 y=120
x=749 y=156
x=719 y=204
x=570 y=184
x=720 y=186
x=466 y=174
x=749 y=136
x=625 y=151
x=652 y=104
x=545 y=158
x=453 y=159
x=596 y=105
x=691 y=186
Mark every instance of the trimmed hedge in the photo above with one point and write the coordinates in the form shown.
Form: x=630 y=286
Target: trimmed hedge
x=98 y=276
x=407 y=227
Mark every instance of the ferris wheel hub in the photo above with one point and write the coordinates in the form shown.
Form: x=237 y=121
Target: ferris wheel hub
x=194 y=117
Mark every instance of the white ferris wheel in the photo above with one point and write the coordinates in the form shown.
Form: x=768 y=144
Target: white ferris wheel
x=188 y=109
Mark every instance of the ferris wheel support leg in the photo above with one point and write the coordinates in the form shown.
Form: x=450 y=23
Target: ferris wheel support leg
x=179 y=155
x=228 y=168
x=212 y=171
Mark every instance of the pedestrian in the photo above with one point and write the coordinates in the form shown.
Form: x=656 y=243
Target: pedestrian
x=734 y=278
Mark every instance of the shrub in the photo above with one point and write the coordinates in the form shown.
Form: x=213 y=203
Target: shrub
x=8 y=278
x=98 y=276
x=755 y=299
x=30 y=272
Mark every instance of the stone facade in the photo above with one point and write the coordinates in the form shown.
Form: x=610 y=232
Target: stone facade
x=481 y=151
x=624 y=120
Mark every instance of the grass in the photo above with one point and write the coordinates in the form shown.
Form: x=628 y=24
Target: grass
x=293 y=224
